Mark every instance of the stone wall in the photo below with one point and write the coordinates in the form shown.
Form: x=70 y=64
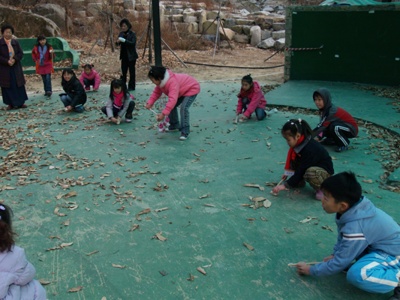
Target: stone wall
x=264 y=29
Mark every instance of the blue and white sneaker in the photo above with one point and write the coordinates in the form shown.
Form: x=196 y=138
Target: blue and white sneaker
x=342 y=149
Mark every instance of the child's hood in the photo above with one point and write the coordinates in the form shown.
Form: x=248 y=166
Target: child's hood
x=256 y=86
x=362 y=210
x=326 y=96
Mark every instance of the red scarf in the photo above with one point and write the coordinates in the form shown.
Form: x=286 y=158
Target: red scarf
x=118 y=99
x=291 y=156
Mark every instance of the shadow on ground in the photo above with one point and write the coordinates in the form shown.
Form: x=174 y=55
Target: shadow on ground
x=92 y=201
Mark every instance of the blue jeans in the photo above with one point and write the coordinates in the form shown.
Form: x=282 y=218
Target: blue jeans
x=260 y=113
x=66 y=100
x=47 y=83
x=185 y=103
x=375 y=272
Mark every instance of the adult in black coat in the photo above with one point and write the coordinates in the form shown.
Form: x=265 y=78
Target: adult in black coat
x=128 y=54
x=12 y=80
x=75 y=96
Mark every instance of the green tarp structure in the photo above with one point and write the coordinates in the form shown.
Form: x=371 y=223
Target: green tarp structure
x=356 y=2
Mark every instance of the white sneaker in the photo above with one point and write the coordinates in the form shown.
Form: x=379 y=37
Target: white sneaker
x=183 y=137
x=128 y=120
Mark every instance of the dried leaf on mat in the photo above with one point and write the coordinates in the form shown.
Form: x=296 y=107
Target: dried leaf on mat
x=201 y=270
x=267 y=203
x=44 y=282
x=254 y=185
x=190 y=278
x=248 y=246
x=159 y=236
x=161 y=209
x=118 y=266
x=134 y=227
x=75 y=289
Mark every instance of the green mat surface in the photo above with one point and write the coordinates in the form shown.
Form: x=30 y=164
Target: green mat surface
x=92 y=199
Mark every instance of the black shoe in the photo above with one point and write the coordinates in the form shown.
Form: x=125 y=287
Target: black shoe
x=396 y=294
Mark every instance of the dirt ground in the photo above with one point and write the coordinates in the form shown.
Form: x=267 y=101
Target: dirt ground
x=107 y=64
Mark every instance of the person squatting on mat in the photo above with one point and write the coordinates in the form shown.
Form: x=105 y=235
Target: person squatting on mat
x=90 y=77
x=250 y=99
x=336 y=125
x=75 y=96
x=368 y=242
x=307 y=160
x=120 y=103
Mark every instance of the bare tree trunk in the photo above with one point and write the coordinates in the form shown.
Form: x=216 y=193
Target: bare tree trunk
x=111 y=20
x=66 y=18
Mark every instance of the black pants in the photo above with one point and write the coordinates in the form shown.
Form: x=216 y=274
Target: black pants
x=128 y=114
x=131 y=66
x=340 y=133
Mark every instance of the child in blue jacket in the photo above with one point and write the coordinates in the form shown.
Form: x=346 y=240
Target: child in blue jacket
x=366 y=234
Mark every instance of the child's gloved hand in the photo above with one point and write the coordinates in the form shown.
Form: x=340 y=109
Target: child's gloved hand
x=121 y=39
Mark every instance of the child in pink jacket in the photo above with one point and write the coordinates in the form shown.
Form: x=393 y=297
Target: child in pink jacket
x=181 y=90
x=16 y=272
x=251 y=99
x=90 y=77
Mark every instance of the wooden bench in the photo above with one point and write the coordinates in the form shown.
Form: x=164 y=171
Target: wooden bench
x=61 y=48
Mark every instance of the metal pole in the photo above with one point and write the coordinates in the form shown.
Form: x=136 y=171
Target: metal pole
x=157 y=32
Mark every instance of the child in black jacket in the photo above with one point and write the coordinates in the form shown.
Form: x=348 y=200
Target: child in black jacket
x=75 y=96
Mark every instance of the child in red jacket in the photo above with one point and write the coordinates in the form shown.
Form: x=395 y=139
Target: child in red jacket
x=43 y=55
x=251 y=99
x=336 y=126
x=90 y=77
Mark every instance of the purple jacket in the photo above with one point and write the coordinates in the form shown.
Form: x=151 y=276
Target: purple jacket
x=16 y=277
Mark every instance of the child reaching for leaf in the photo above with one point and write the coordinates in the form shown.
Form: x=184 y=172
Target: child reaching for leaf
x=307 y=160
x=181 y=90
x=368 y=242
x=16 y=272
x=119 y=103
x=250 y=100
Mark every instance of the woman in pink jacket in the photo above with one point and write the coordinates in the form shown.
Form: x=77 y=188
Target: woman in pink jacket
x=181 y=89
x=251 y=99
x=90 y=77
x=16 y=272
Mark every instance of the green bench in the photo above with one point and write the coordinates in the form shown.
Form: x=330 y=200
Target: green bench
x=61 y=48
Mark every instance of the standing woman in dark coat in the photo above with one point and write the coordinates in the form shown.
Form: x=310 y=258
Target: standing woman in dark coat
x=128 y=54
x=12 y=80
